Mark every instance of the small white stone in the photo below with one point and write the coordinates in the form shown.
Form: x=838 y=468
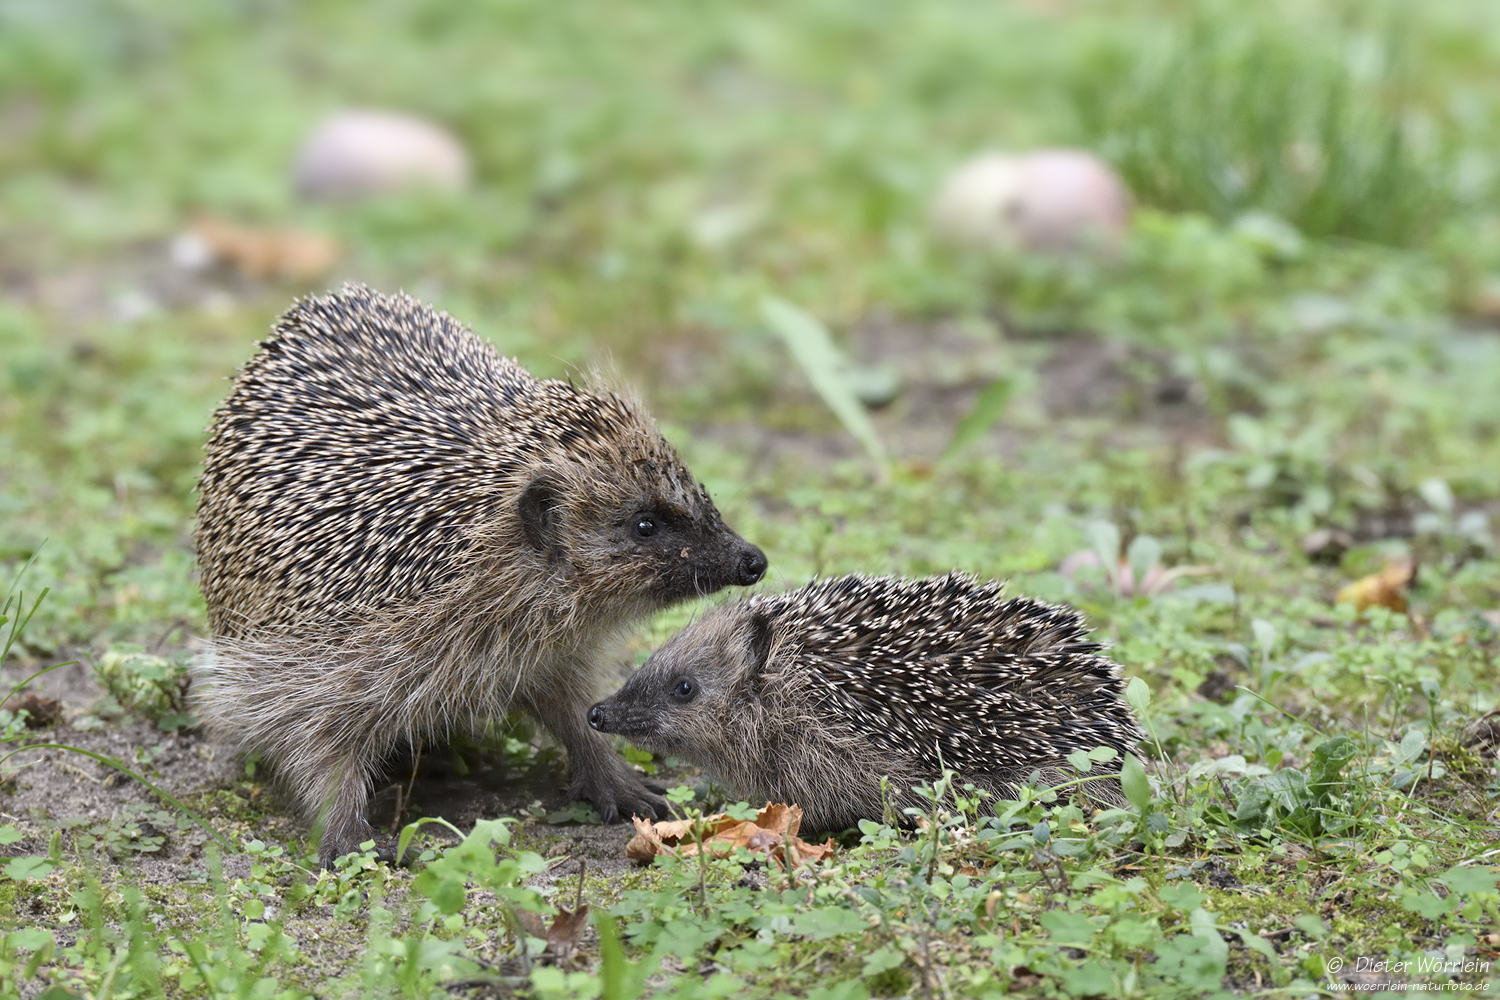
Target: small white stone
x=1049 y=200
x=190 y=252
x=354 y=154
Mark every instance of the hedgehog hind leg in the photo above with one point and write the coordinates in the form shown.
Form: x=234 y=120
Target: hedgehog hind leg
x=341 y=795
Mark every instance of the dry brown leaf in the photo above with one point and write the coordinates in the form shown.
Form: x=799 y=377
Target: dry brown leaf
x=40 y=712
x=567 y=926
x=267 y=253
x=532 y=923
x=1386 y=588
x=773 y=832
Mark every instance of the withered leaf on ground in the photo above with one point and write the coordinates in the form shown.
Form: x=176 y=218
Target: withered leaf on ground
x=773 y=832
x=40 y=712
x=267 y=253
x=567 y=927
x=532 y=923
x=1386 y=588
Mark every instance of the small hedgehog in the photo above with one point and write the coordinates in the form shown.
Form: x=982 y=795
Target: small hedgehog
x=812 y=696
x=401 y=535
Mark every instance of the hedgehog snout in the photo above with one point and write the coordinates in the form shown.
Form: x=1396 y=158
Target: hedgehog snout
x=625 y=713
x=752 y=565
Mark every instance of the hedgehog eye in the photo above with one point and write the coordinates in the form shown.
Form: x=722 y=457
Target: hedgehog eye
x=684 y=690
x=645 y=526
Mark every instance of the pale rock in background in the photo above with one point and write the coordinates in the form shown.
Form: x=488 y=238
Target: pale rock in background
x=354 y=154
x=1049 y=200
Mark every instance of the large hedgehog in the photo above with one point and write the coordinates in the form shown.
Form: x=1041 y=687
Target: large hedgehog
x=402 y=535
x=813 y=696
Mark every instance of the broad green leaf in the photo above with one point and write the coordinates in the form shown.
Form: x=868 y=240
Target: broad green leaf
x=828 y=921
x=1329 y=758
x=1468 y=880
x=447 y=894
x=1104 y=540
x=22 y=869
x=848 y=989
x=1066 y=927
x=1203 y=925
x=1265 y=635
x=9 y=835
x=1192 y=962
x=1424 y=904
x=1089 y=979
x=1143 y=555
x=1138 y=694
x=1259 y=944
x=30 y=938
x=1312 y=925
x=881 y=960
x=1133 y=781
x=1411 y=747
x=1182 y=896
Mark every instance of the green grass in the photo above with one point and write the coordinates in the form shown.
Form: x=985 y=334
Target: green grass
x=648 y=177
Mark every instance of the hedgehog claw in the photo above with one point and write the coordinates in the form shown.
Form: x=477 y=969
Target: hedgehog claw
x=385 y=853
x=620 y=797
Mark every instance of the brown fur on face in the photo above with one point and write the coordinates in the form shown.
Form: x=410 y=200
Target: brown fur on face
x=401 y=534
x=813 y=696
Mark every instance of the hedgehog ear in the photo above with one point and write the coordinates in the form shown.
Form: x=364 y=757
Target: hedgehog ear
x=539 y=505
x=758 y=640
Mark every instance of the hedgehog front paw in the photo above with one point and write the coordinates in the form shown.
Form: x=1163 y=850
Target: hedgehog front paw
x=619 y=796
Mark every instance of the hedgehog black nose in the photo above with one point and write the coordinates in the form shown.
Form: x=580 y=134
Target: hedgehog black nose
x=752 y=566
x=596 y=716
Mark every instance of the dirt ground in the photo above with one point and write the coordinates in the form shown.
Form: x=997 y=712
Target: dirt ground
x=58 y=788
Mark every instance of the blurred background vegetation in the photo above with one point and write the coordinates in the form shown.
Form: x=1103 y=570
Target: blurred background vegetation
x=1295 y=336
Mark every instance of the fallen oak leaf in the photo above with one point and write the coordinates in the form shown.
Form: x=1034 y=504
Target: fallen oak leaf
x=1386 y=588
x=773 y=832
x=652 y=839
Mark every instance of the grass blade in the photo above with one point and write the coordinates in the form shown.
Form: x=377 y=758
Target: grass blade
x=815 y=352
x=989 y=407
